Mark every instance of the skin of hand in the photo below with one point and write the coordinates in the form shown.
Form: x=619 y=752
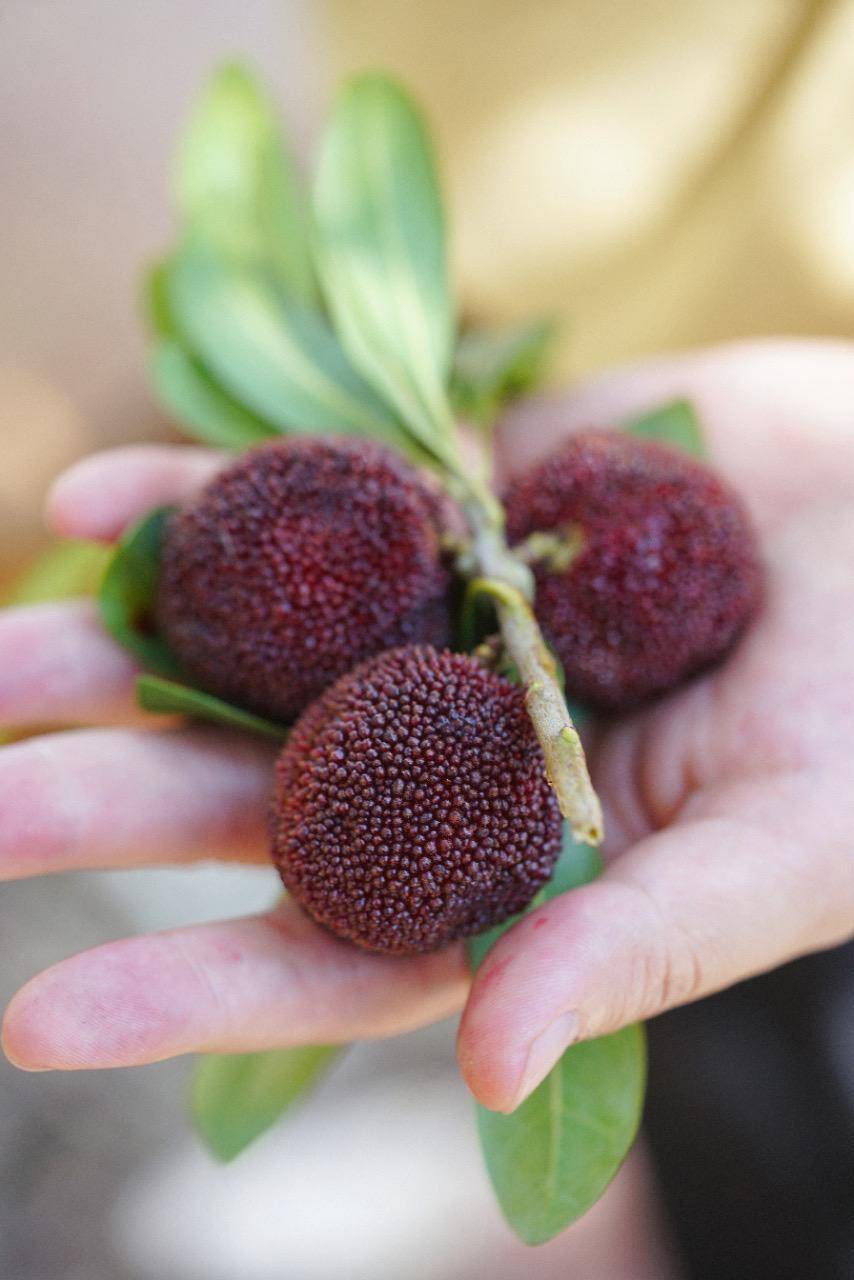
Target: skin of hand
x=729 y=806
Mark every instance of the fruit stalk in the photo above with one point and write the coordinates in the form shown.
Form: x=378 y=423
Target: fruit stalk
x=511 y=584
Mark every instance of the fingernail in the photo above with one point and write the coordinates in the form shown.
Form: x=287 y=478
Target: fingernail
x=543 y=1053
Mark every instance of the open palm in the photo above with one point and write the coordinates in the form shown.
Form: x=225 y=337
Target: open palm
x=729 y=806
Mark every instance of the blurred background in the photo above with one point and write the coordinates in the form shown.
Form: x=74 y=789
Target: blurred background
x=660 y=175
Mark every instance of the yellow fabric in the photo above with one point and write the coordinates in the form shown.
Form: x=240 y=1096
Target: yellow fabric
x=661 y=174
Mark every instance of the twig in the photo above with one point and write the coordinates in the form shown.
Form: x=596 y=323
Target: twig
x=510 y=583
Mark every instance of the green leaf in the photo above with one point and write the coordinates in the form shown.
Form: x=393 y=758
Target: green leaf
x=237 y=184
x=580 y=715
x=552 y=1158
x=129 y=590
x=381 y=252
x=65 y=570
x=207 y=412
x=578 y=863
x=168 y=697
x=675 y=424
x=155 y=299
x=236 y=1097
x=280 y=361
x=492 y=367
x=184 y=386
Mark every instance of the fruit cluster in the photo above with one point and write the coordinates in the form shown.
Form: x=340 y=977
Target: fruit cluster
x=352 y=584
x=311 y=579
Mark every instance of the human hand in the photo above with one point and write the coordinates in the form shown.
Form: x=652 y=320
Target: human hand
x=728 y=805
x=140 y=794
x=729 y=819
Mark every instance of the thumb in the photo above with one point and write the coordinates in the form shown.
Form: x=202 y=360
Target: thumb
x=736 y=887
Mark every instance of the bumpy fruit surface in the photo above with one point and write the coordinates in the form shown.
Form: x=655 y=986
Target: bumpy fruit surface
x=667 y=571
x=411 y=805
x=297 y=562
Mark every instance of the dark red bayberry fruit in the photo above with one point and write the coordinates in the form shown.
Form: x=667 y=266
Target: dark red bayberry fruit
x=667 y=573
x=298 y=561
x=411 y=805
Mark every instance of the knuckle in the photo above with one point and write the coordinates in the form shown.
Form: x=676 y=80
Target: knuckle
x=677 y=974
x=670 y=965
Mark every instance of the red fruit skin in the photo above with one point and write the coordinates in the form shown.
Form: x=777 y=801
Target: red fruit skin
x=295 y=563
x=667 y=576
x=411 y=805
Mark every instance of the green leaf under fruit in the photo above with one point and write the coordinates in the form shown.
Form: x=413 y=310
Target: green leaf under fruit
x=675 y=424
x=237 y=184
x=237 y=1097
x=129 y=590
x=494 y=366
x=169 y=697
x=281 y=361
x=381 y=253
x=552 y=1158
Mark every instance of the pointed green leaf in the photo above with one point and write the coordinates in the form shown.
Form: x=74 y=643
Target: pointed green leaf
x=154 y=296
x=381 y=252
x=169 y=697
x=494 y=366
x=65 y=570
x=237 y=184
x=552 y=1158
x=675 y=424
x=205 y=411
x=280 y=361
x=129 y=591
x=237 y=1097
x=184 y=386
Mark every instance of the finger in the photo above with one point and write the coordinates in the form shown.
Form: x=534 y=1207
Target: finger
x=753 y=875
x=100 y=496
x=260 y=983
x=779 y=703
x=58 y=666
x=108 y=798
x=764 y=424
